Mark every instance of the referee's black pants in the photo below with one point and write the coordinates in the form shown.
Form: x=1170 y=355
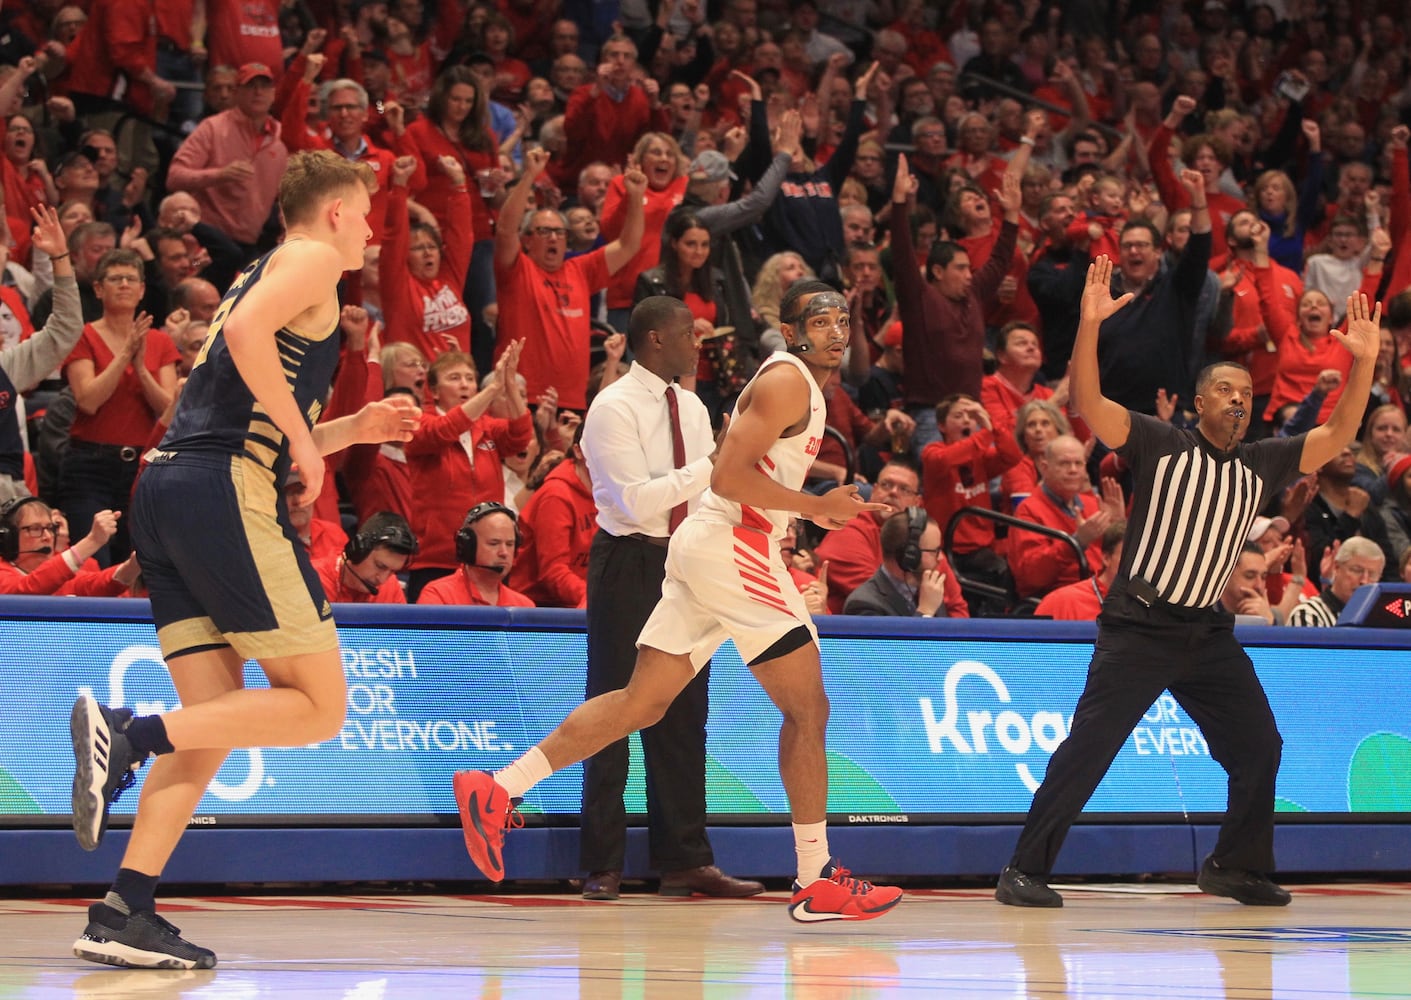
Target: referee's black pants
x=624 y=585
x=1140 y=652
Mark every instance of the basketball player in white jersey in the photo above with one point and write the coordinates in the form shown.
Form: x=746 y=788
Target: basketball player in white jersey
x=725 y=579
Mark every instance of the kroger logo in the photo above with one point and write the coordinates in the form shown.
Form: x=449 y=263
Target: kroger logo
x=973 y=730
x=144 y=656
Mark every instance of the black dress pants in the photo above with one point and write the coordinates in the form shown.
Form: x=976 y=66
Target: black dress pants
x=624 y=584
x=1141 y=652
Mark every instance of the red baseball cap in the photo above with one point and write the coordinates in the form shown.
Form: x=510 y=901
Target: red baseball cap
x=252 y=71
x=892 y=338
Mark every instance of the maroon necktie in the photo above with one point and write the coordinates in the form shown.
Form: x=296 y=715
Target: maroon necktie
x=678 y=454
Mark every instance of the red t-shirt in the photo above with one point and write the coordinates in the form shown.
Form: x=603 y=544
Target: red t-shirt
x=248 y=31
x=551 y=312
x=1074 y=602
x=455 y=589
x=656 y=206
x=125 y=419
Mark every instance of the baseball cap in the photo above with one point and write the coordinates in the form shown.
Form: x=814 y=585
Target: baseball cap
x=710 y=165
x=69 y=158
x=892 y=338
x=252 y=71
x=1262 y=524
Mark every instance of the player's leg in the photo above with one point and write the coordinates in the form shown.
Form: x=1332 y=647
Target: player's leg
x=484 y=800
x=791 y=674
x=1222 y=694
x=1125 y=676
x=122 y=927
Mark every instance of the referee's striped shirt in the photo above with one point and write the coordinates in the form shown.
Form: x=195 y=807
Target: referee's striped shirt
x=1316 y=611
x=1193 y=505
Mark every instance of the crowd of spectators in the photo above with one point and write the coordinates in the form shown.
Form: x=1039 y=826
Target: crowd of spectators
x=542 y=165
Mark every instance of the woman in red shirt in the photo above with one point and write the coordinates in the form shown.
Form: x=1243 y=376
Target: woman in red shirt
x=457 y=123
x=1036 y=423
x=685 y=273
x=422 y=272
x=123 y=375
x=455 y=455
x=660 y=158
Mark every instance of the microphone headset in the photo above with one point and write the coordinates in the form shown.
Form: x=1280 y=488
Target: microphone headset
x=466 y=540
x=383 y=530
x=10 y=531
x=910 y=558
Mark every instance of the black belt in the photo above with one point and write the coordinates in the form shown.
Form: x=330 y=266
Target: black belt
x=125 y=452
x=660 y=543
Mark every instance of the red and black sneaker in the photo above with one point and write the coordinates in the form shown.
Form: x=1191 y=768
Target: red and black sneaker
x=486 y=812
x=836 y=895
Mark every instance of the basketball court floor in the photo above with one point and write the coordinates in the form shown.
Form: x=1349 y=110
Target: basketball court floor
x=1138 y=943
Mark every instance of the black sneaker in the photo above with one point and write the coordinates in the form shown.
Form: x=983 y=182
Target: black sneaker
x=1249 y=888
x=104 y=766
x=1018 y=888
x=138 y=941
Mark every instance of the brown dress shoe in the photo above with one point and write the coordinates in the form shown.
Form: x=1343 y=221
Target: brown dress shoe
x=707 y=880
x=603 y=885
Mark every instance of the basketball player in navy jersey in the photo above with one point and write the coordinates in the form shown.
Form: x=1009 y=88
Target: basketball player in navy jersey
x=228 y=578
x=726 y=579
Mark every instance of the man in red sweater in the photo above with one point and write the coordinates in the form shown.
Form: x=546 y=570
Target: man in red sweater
x=557 y=525
x=943 y=314
x=606 y=116
x=485 y=547
x=853 y=552
x=1039 y=563
x=365 y=572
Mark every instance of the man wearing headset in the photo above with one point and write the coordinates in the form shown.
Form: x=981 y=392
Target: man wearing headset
x=365 y=572
x=485 y=547
x=914 y=580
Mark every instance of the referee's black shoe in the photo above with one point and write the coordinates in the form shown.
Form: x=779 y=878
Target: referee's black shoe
x=1018 y=888
x=104 y=766
x=1249 y=888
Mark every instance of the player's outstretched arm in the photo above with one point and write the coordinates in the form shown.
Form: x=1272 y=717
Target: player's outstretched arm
x=778 y=400
x=1363 y=341
x=1110 y=421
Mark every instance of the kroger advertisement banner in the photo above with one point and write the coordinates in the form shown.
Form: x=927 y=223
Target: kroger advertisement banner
x=959 y=724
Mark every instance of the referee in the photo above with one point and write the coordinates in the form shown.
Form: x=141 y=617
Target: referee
x=1196 y=494
x=650 y=451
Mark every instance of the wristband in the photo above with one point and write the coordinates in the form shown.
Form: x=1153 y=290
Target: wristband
x=60 y=256
x=1026 y=140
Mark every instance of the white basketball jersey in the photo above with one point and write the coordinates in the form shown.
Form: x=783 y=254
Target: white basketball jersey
x=787 y=463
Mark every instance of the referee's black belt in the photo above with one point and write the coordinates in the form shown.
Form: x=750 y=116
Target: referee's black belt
x=124 y=452
x=660 y=542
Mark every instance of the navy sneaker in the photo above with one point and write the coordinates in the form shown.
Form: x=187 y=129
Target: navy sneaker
x=105 y=766
x=138 y=941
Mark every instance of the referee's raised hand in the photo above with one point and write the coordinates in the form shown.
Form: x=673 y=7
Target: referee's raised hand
x=1098 y=303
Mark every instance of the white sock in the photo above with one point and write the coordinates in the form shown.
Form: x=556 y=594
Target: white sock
x=524 y=773
x=811 y=845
